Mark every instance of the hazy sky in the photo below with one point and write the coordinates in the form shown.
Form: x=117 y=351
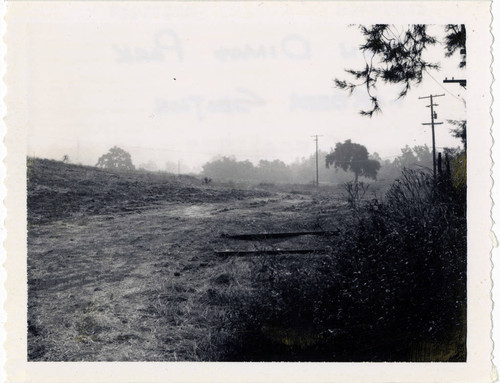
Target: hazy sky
x=179 y=85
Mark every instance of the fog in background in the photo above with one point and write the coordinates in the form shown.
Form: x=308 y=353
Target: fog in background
x=179 y=88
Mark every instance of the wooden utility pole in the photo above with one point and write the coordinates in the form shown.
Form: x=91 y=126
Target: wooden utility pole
x=317 y=171
x=432 y=123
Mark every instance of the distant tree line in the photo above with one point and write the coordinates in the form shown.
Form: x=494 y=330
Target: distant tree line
x=349 y=161
x=346 y=167
x=274 y=171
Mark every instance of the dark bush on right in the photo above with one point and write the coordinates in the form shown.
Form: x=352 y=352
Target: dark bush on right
x=394 y=284
x=406 y=270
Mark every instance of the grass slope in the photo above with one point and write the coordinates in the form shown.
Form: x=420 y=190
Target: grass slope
x=121 y=265
x=57 y=190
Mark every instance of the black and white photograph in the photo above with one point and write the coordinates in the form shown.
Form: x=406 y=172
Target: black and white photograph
x=250 y=182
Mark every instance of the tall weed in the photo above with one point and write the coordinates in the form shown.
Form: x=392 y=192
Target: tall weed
x=394 y=283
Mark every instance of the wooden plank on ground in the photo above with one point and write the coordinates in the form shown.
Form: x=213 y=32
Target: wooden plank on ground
x=272 y=252
x=273 y=235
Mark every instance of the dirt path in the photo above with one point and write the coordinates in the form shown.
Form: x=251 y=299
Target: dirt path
x=128 y=286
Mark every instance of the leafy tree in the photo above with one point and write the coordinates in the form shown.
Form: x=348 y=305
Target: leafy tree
x=375 y=156
x=116 y=159
x=272 y=171
x=304 y=170
x=418 y=156
x=396 y=56
x=455 y=41
x=228 y=168
x=460 y=131
x=353 y=157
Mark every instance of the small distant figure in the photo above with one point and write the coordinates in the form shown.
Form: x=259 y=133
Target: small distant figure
x=207 y=180
x=65 y=159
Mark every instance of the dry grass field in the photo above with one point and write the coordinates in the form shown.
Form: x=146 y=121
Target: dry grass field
x=126 y=266
x=121 y=266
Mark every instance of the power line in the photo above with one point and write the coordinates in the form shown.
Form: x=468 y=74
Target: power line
x=192 y=151
x=442 y=87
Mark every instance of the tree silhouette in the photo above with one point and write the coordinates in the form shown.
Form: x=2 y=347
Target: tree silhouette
x=272 y=171
x=116 y=159
x=353 y=157
x=460 y=131
x=228 y=168
x=395 y=56
x=418 y=156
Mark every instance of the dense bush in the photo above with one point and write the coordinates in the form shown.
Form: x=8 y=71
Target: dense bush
x=394 y=284
x=408 y=259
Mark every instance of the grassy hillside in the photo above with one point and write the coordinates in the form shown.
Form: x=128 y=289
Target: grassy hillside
x=57 y=190
x=121 y=266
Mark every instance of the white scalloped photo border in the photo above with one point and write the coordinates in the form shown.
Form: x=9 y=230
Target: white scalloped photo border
x=477 y=369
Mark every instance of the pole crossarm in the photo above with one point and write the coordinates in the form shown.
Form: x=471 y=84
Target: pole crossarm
x=462 y=82
x=432 y=96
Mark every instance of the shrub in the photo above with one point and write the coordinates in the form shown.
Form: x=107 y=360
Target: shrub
x=277 y=318
x=355 y=191
x=396 y=281
x=409 y=256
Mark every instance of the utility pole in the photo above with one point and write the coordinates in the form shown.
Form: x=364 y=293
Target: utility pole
x=432 y=123
x=317 y=171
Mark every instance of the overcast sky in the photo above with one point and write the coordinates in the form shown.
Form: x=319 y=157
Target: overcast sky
x=180 y=86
